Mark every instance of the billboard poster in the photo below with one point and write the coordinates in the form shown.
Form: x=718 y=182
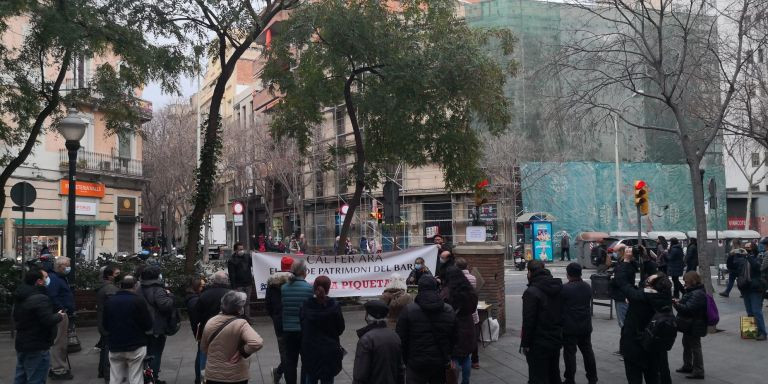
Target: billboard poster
x=542 y=241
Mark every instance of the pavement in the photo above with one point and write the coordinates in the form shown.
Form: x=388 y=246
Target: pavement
x=727 y=358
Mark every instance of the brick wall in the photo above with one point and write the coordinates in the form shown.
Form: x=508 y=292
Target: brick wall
x=489 y=259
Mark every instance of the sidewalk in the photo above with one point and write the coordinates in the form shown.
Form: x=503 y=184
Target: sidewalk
x=727 y=358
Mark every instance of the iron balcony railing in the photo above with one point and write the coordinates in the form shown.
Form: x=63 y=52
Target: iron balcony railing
x=102 y=163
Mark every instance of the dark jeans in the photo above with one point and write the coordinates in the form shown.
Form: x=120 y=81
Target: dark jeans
x=678 y=287
x=464 y=367
x=584 y=343
x=32 y=367
x=637 y=369
x=731 y=280
x=664 y=376
x=281 y=349
x=199 y=364
x=563 y=252
x=693 y=358
x=753 y=303
x=543 y=366
x=103 y=368
x=292 y=351
x=425 y=375
x=313 y=380
x=155 y=347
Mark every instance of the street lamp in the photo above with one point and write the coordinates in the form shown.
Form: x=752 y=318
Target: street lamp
x=72 y=128
x=616 y=155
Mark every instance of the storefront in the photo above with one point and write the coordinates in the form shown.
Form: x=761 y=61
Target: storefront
x=126 y=220
x=50 y=233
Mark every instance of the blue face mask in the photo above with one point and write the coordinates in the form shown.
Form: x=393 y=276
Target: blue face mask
x=67 y=270
x=417 y=266
x=47 y=281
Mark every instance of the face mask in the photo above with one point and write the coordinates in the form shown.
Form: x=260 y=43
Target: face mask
x=417 y=266
x=47 y=281
x=160 y=276
x=443 y=260
x=67 y=270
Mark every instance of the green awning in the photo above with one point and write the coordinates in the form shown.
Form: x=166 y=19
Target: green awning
x=2 y=221
x=62 y=223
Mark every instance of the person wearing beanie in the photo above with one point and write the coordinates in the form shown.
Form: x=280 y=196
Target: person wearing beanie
x=542 y=333
x=379 y=356
x=321 y=326
x=273 y=301
x=396 y=297
x=576 y=298
x=427 y=330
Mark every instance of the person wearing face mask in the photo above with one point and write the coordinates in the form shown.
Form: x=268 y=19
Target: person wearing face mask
x=35 y=322
x=228 y=341
x=240 y=276
x=445 y=261
x=379 y=355
x=419 y=269
x=63 y=300
x=160 y=304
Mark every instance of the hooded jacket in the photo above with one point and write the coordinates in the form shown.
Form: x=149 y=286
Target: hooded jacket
x=159 y=303
x=542 y=319
x=576 y=299
x=379 y=356
x=209 y=304
x=675 y=261
x=396 y=299
x=35 y=319
x=693 y=307
x=427 y=328
x=643 y=304
x=273 y=301
x=321 y=326
x=733 y=262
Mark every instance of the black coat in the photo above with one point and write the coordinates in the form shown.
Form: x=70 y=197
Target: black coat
x=692 y=309
x=623 y=273
x=127 y=321
x=321 y=326
x=273 y=301
x=427 y=329
x=733 y=262
x=756 y=283
x=464 y=305
x=649 y=268
x=379 y=356
x=416 y=274
x=542 y=317
x=35 y=319
x=576 y=298
x=642 y=306
x=107 y=290
x=209 y=304
x=190 y=300
x=692 y=258
x=160 y=305
x=239 y=269
x=675 y=261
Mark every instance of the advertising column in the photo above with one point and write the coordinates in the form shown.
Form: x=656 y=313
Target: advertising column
x=542 y=240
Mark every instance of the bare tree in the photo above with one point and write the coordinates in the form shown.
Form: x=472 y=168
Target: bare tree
x=169 y=145
x=673 y=54
x=741 y=149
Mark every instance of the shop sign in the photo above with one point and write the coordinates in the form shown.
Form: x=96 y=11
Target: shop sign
x=86 y=208
x=126 y=206
x=83 y=188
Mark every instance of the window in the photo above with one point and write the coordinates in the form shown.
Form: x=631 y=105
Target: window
x=755 y=159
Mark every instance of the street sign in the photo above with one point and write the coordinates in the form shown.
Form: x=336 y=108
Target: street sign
x=238 y=220
x=237 y=207
x=23 y=194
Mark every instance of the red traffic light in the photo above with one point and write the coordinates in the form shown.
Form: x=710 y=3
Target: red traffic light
x=640 y=184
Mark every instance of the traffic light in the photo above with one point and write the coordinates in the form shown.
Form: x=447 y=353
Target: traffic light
x=379 y=215
x=641 y=197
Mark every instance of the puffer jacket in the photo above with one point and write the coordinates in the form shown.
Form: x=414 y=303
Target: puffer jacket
x=675 y=261
x=321 y=326
x=159 y=303
x=225 y=360
x=396 y=299
x=427 y=330
x=273 y=300
x=107 y=290
x=576 y=299
x=378 y=357
x=294 y=294
x=692 y=307
x=34 y=318
x=623 y=273
x=542 y=319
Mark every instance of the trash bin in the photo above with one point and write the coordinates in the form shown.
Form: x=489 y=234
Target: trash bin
x=601 y=286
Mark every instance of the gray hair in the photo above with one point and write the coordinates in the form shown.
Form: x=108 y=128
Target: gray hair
x=221 y=278
x=396 y=281
x=60 y=262
x=299 y=267
x=233 y=303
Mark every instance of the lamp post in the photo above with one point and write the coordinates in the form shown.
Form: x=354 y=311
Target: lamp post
x=72 y=128
x=616 y=157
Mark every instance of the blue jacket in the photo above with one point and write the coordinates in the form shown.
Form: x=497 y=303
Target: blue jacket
x=294 y=294
x=126 y=321
x=675 y=261
x=60 y=294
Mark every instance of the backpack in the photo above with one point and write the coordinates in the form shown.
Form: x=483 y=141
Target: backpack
x=713 y=316
x=660 y=333
x=744 y=281
x=174 y=322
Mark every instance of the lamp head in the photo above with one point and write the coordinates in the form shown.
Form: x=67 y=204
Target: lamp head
x=73 y=126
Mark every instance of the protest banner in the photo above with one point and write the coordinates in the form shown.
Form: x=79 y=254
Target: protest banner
x=351 y=275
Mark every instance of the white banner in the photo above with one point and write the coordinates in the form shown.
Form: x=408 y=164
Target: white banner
x=351 y=275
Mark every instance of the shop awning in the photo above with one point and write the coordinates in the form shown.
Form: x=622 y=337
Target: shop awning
x=535 y=216
x=149 y=228
x=62 y=223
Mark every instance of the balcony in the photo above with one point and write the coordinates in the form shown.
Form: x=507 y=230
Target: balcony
x=90 y=97
x=102 y=163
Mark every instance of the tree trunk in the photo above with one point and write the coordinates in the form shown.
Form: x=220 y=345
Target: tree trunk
x=706 y=254
x=359 y=164
x=749 y=206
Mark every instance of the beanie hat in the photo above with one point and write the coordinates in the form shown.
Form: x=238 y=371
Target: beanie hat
x=573 y=269
x=286 y=263
x=427 y=283
x=376 y=309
